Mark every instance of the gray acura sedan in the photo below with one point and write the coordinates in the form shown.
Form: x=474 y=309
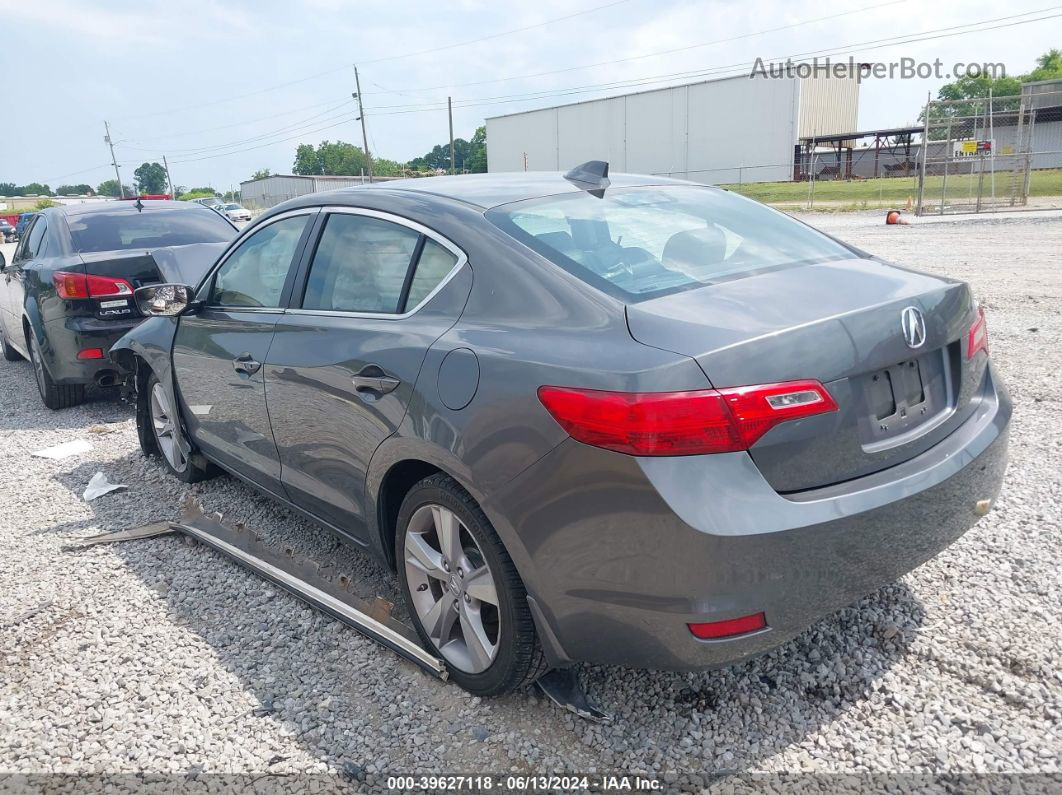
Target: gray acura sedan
x=630 y=421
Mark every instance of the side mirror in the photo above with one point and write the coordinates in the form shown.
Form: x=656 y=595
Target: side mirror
x=164 y=300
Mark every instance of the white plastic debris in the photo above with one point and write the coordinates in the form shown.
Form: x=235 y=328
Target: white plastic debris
x=64 y=450
x=99 y=485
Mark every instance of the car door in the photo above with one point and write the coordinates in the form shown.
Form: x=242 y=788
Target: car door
x=218 y=352
x=15 y=280
x=375 y=295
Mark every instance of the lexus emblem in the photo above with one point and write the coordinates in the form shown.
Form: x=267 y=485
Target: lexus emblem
x=914 y=327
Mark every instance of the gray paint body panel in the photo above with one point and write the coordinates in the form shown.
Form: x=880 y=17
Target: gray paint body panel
x=617 y=553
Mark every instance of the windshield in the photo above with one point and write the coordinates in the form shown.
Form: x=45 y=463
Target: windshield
x=124 y=228
x=643 y=242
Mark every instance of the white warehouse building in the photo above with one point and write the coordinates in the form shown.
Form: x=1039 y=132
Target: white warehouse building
x=736 y=129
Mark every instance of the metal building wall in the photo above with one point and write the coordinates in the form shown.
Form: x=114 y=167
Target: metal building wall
x=739 y=129
x=828 y=105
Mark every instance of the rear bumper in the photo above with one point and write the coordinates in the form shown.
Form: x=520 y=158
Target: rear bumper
x=619 y=554
x=65 y=337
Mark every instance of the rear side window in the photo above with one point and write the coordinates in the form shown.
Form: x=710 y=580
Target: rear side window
x=363 y=264
x=125 y=228
x=254 y=274
x=639 y=243
x=34 y=239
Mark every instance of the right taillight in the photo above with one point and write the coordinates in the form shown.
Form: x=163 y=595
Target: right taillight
x=977 y=338
x=682 y=423
x=78 y=286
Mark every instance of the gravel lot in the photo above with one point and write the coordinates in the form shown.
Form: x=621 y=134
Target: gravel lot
x=159 y=656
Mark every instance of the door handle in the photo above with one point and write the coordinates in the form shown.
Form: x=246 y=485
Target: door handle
x=371 y=379
x=245 y=364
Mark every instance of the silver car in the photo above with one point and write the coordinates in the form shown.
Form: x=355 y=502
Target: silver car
x=625 y=420
x=234 y=212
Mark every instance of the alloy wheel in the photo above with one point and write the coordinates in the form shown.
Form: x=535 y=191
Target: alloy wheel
x=452 y=589
x=163 y=422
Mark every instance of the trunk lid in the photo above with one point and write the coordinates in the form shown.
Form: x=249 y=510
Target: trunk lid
x=137 y=267
x=838 y=322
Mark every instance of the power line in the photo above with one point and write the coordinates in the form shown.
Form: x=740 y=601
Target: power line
x=346 y=66
x=655 y=54
x=495 y=35
x=736 y=68
x=328 y=116
x=270 y=143
x=288 y=112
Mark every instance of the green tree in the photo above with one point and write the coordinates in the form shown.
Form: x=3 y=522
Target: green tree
x=110 y=188
x=44 y=204
x=7 y=188
x=33 y=189
x=1048 y=66
x=477 y=156
x=261 y=173
x=387 y=168
x=78 y=190
x=150 y=178
x=330 y=157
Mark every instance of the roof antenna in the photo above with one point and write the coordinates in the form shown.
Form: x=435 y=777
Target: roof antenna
x=591 y=176
x=139 y=205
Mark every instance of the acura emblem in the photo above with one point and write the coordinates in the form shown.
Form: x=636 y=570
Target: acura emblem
x=914 y=327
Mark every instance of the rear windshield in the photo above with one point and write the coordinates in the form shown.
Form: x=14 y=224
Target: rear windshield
x=124 y=228
x=639 y=243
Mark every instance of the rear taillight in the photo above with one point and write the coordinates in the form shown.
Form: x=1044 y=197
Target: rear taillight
x=729 y=628
x=77 y=286
x=977 y=338
x=682 y=423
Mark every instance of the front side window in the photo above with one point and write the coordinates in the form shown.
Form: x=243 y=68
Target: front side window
x=124 y=228
x=638 y=243
x=254 y=275
x=360 y=265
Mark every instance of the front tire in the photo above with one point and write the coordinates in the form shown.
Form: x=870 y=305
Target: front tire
x=158 y=425
x=55 y=396
x=465 y=596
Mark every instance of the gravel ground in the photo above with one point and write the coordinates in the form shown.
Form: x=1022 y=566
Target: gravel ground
x=159 y=656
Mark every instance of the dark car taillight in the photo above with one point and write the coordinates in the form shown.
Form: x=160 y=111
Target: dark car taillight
x=76 y=286
x=977 y=338
x=682 y=423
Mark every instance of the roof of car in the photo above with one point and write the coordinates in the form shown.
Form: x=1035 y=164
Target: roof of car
x=147 y=204
x=490 y=190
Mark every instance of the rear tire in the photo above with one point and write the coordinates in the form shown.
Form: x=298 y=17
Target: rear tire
x=158 y=425
x=10 y=354
x=55 y=396
x=502 y=652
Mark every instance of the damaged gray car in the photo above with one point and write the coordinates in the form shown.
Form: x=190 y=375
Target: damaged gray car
x=626 y=420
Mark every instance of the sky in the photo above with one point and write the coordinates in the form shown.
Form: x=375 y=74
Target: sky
x=226 y=88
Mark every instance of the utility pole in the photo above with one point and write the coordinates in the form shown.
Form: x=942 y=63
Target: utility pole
x=114 y=160
x=168 y=178
x=361 y=118
x=450 y=112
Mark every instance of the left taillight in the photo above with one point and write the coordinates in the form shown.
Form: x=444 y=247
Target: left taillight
x=78 y=286
x=682 y=423
x=977 y=338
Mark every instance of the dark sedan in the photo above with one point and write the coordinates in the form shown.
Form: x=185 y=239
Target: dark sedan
x=629 y=421
x=66 y=296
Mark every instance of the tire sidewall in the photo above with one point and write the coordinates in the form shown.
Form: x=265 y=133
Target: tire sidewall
x=148 y=430
x=502 y=670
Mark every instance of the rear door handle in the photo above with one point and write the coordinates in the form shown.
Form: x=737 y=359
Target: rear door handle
x=245 y=363
x=372 y=378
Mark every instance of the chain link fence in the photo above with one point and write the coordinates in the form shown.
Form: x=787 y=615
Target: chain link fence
x=983 y=155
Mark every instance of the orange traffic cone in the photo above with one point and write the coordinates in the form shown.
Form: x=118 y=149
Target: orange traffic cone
x=893 y=217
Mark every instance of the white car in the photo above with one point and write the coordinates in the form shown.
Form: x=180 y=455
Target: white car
x=234 y=212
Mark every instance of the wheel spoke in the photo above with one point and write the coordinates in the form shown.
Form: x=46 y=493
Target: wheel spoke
x=480 y=585
x=420 y=554
x=480 y=649
x=448 y=529
x=439 y=621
